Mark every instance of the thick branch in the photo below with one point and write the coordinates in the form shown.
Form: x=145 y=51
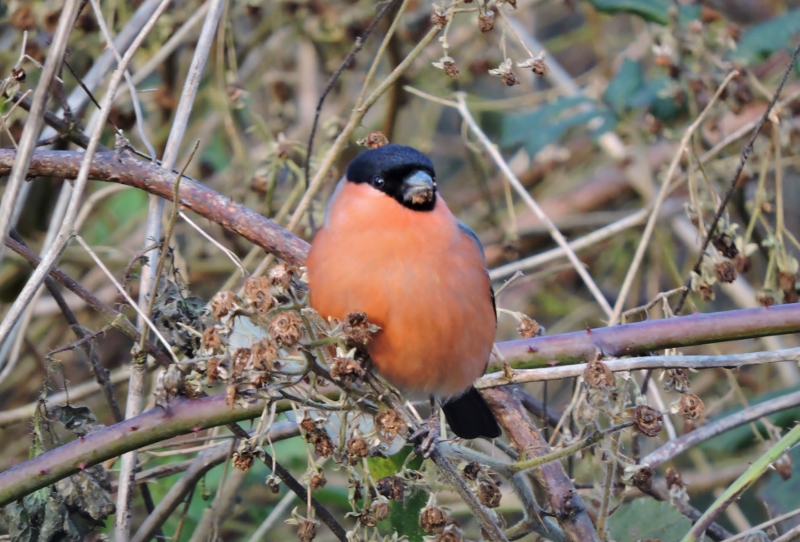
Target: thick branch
x=563 y=497
x=643 y=337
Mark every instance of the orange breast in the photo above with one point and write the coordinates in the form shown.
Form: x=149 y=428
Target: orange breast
x=417 y=276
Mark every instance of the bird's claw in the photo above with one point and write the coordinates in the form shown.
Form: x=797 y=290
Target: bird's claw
x=426 y=437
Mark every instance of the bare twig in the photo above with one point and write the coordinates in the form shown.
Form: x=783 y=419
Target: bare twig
x=530 y=202
x=732 y=187
x=644 y=242
x=199 y=466
x=66 y=230
x=32 y=129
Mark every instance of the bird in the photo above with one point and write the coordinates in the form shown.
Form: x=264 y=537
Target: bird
x=391 y=248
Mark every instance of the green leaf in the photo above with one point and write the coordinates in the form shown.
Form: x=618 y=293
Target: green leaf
x=656 y=11
x=647 y=518
x=763 y=39
x=403 y=516
x=548 y=124
x=624 y=86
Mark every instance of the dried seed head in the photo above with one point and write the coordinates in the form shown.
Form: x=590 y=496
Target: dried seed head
x=510 y=79
x=274 y=485
x=489 y=494
x=678 y=380
x=450 y=68
x=725 y=245
x=433 y=519
x=375 y=139
x=472 y=470
x=212 y=371
x=389 y=425
x=286 y=328
x=317 y=480
x=486 y=22
x=356 y=328
x=648 y=420
x=367 y=518
x=597 y=375
x=528 y=327
x=766 y=298
x=674 y=478
x=241 y=357
x=709 y=15
x=784 y=466
x=323 y=445
x=706 y=291
x=356 y=447
x=643 y=478
x=725 y=271
x=23 y=18
x=346 y=370
x=308 y=425
x=439 y=16
x=211 y=338
x=787 y=282
x=306 y=531
x=18 y=74
x=392 y=487
x=280 y=276
x=257 y=291
x=243 y=460
x=691 y=407
x=452 y=535
x=742 y=263
x=380 y=511
x=230 y=395
x=223 y=303
x=264 y=355
x=539 y=67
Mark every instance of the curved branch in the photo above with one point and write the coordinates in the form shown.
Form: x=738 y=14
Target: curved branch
x=123 y=168
x=183 y=416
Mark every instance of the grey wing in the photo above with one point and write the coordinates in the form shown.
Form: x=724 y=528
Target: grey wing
x=474 y=237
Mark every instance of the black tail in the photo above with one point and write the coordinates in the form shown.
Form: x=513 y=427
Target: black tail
x=470 y=417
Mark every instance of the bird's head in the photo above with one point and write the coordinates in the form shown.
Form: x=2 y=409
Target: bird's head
x=400 y=172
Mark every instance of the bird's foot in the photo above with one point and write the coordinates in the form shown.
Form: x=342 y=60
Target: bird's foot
x=427 y=436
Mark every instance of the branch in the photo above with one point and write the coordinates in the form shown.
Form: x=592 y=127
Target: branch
x=183 y=416
x=561 y=493
x=115 y=318
x=518 y=376
x=123 y=168
x=643 y=337
x=701 y=434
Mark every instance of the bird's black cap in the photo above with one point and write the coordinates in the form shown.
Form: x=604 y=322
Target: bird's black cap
x=387 y=168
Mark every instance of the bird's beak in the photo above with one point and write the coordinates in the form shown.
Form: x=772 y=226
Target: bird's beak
x=418 y=188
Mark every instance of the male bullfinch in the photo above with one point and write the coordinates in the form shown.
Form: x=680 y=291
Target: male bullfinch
x=391 y=248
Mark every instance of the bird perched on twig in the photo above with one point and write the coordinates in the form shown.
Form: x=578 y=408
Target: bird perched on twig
x=391 y=248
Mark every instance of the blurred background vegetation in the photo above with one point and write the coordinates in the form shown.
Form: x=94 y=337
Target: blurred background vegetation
x=590 y=139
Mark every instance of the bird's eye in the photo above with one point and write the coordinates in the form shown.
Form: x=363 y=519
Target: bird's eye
x=378 y=181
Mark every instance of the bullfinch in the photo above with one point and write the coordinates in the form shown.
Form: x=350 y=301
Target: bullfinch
x=390 y=247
